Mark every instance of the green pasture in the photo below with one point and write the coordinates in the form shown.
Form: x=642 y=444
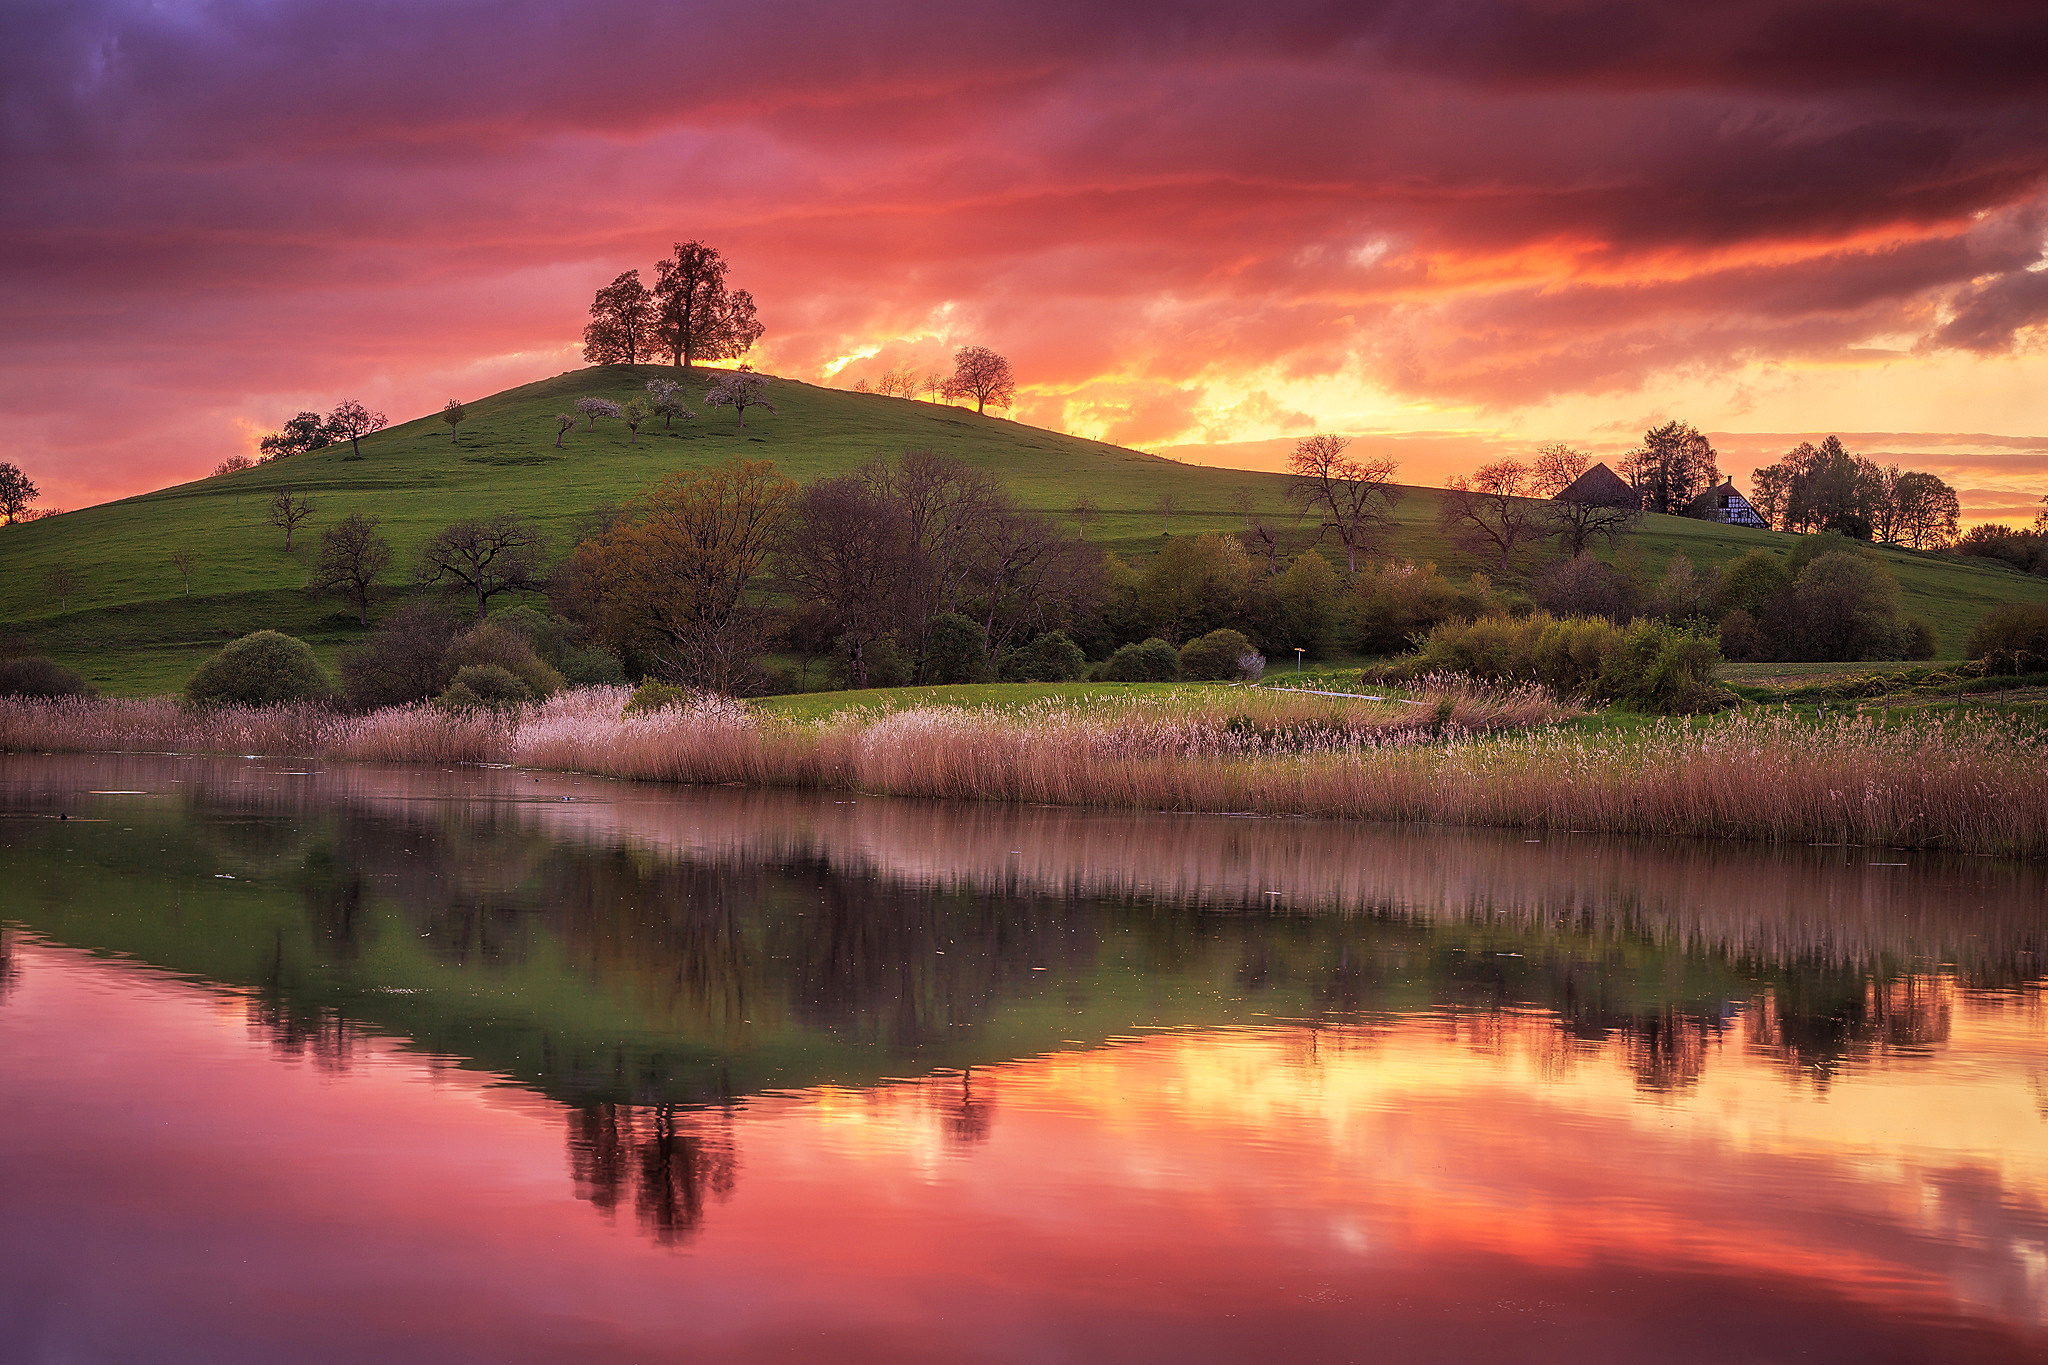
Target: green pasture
x=129 y=626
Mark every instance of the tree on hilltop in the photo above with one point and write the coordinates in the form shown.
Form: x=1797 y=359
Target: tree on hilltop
x=739 y=390
x=622 y=323
x=17 y=491
x=696 y=317
x=307 y=431
x=982 y=375
x=233 y=464
x=1674 y=465
x=1355 y=498
x=1557 y=467
x=352 y=421
x=1491 y=512
x=454 y=415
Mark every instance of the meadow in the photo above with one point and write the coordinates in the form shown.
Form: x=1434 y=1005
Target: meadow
x=131 y=629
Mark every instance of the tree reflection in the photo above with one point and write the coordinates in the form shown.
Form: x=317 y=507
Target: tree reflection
x=669 y=1159
x=10 y=969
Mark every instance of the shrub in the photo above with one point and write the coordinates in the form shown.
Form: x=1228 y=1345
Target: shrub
x=36 y=676
x=1844 y=606
x=259 y=670
x=1751 y=584
x=2026 y=551
x=1154 y=660
x=492 y=645
x=486 y=685
x=652 y=696
x=2012 y=638
x=1647 y=666
x=1582 y=586
x=955 y=650
x=1219 y=656
x=1310 y=600
x=887 y=665
x=1397 y=601
x=1662 y=669
x=1741 y=638
x=1919 y=638
x=405 y=658
x=1052 y=657
x=589 y=667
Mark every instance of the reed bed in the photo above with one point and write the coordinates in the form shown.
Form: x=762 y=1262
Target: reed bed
x=1446 y=755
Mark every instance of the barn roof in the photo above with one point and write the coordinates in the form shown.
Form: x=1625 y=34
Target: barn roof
x=1600 y=487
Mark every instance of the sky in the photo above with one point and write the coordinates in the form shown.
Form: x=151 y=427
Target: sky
x=1453 y=229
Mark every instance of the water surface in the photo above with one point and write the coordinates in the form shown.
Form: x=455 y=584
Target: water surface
x=408 y=1065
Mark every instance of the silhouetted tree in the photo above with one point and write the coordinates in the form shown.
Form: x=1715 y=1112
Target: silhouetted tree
x=1674 y=465
x=1491 y=512
x=352 y=555
x=982 y=375
x=1576 y=522
x=1356 y=500
x=622 y=323
x=841 y=548
x=1926 y=510
x=454 y=414
x=487 y=555
x=352 y=421
x=1556 y=467
x=288 y=509
x=233 y=464
x=307 y=431
x=739 y=390
x=17 y=492
x=696 y=317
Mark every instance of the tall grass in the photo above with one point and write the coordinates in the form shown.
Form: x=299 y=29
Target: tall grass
x=1462 y=756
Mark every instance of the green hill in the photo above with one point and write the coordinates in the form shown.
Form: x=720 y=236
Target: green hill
x=129 y=626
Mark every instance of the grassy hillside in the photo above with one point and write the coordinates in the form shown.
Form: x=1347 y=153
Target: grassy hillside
x=129 y=627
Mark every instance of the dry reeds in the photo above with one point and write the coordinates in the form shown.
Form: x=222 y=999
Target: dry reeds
x=1445 y=756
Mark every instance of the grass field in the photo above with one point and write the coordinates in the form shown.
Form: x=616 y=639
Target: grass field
x=130 y=628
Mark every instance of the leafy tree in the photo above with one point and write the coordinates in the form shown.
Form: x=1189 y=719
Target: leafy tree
x=263 y=669
x=1194 y=585
x=739 y=390
x=622 y=323
x=1828 y=489
x=405 y=658
x=1355 y=499
x=352 y=421
x=1753 y=583
x=666 y=401
x=182 y=561
x=1556 y=467
x=1926 y=510
x=1051 y=657
x=1311 y=601
x=982 y=375
x=594 y=408
x=1152 y=660
x=1845 y=606
x=696 y=317
x=307 y=431
x=1769 y=492
x=634 y=413
x=352 y=555
x=454 y=414
x=17 y=492
x=287 y=509
x=956 y=650
x=564 y=423
x=1219 y=656
x=672 y=574
x=487 y=555
x=233 y=464
x=1491 y=512
x=841 y=548
x=1674 y=465
x=491 y=645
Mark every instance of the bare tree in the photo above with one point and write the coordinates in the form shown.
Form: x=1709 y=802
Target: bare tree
x=1575 y=522
x=352 y=421
x=1085 y=512
x=17 y=492
x=60 y=581
x=1556 y=467
x=454 y=415
x=1164 y=505
x=1355 y=499
x=182 y=561
x=288 y=509
x=1262 y=529
x=487 y=555
x=841 y=549
x=1491 y=511
x=982 y=375
x=352 y=555
x=942 y=503
x=1024 y=576
x=565 y=422
x=233 y=464
x=594 y=408
x=934 y=386
x=739 y=390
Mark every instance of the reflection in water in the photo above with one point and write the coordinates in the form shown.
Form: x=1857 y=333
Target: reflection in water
x=1174 y=1037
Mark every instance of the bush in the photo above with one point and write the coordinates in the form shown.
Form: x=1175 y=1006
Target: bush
x=2012 y=638
x=1647 y=666
x=1052 y=657
x=652 y=696
x=2026 y=551
x=493 y=645
x=485 y=685
x=888 y=665
x=955 y=650
x=1663 y=670
x=405 y=658
x=1751 y=584
x=1219 y=656
x=560 y=644
x=1397 y=601
x=259 y=670
x=1310 y=600
x=1582 y=586
x=1844 y=606
x=36 y=676
x=1741 y=637
x=1919 y=638
x=1152 y=661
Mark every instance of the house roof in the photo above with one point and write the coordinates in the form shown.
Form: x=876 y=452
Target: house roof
x=1600 y=487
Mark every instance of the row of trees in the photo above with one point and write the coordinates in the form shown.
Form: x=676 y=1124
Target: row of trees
x=978 y=373
x=690 y=314
x=1826 y=488
x=350 y=421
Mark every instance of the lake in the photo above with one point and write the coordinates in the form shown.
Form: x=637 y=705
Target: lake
x=344 y=1064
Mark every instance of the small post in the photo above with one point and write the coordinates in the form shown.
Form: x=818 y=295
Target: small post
x=1299 y=654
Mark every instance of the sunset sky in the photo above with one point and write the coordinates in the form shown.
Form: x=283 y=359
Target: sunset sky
x=1452 y=228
